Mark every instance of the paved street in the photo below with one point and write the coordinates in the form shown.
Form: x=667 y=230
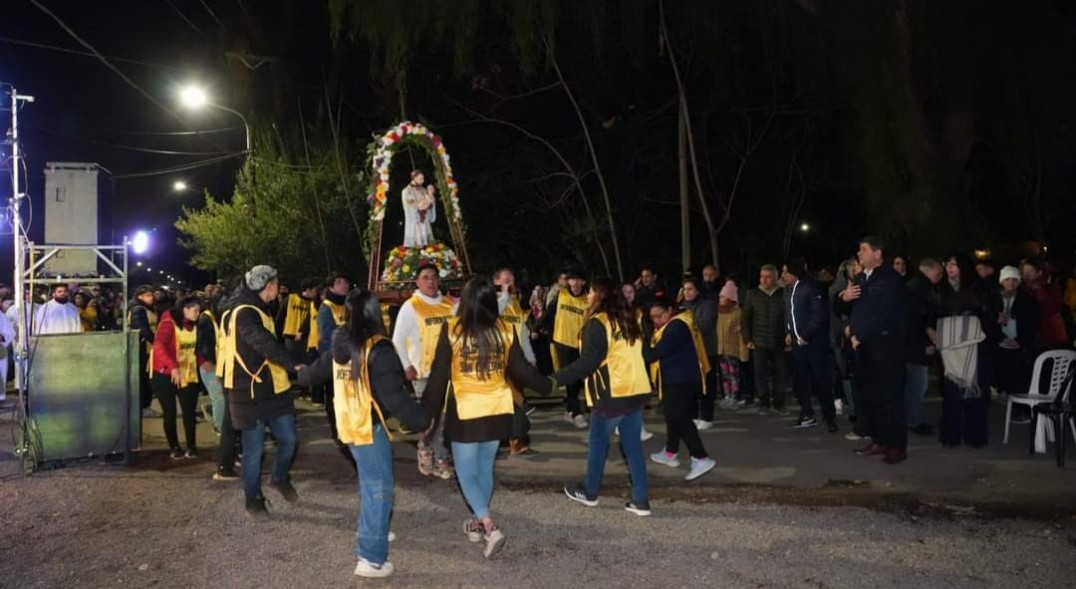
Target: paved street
x=783 y=509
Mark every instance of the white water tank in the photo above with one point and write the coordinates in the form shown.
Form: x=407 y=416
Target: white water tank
x=71 y=216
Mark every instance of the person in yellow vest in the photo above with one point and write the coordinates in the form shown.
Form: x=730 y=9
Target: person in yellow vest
x=477 y=361
x=563 y=321
x=677 y=352
x=617 y=386
x=415 y=336
x=512 y=312
x=174 y=364
x=142 y=317
x=330 y=315
x=370 y=384
x=254 y=368
x=295 y=317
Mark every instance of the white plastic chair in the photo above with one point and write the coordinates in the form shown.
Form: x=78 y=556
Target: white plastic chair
x=1060 y=360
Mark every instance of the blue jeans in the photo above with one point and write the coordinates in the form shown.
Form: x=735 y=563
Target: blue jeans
x=474 y=471
x=376 y=496
x=216 y=396
x=915 y=389
x=631 y=447
x=283 y=428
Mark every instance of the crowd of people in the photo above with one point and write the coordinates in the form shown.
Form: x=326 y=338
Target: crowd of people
x=457 y=370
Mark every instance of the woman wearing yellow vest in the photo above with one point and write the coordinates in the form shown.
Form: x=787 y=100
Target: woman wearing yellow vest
x=370 y=386
x=174 y=365
x=477 y=355
x=677 y=352
x=617 y=385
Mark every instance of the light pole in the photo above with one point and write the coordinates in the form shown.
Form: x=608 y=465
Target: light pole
x=195 y=98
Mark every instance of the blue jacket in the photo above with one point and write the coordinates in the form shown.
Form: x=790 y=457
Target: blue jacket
x=676 y=353
x=880 y=309
x=807 y=311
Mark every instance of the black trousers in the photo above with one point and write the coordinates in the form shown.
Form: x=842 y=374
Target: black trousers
x=229 y=439
x=712 y=391
x=145 y=387
x=566 y=356
x=881 y=371
x=680 y=402
x=521 y=426
x=965 y=420
x=812 y=372
x=167 y=393
x=770 y=376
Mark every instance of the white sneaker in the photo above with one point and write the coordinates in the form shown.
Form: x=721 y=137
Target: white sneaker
x=474 y=531
x=370 y=570
x=703 y=425
x=838 y=406
x=662 y=458
x=580 y=422
x=568 y=417
x=392 y=536
x=699 y=468
x=494 y=543
x=645 y=435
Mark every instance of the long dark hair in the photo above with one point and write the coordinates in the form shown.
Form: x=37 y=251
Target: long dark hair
x=610 y=300
x=363 y=317
x=477 y=325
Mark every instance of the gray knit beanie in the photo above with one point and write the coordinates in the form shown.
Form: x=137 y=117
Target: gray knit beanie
x=259 y=276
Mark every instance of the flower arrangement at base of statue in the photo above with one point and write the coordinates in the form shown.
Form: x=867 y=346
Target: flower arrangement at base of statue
x=403 y=262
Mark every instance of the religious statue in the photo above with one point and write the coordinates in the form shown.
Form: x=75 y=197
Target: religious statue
x=420 y=211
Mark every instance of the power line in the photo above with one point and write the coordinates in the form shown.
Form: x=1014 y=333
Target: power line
x=211 y=13
x=141 y=133
x=180 y=168
x=12 y=41
x=121 y=146
x=184 y=17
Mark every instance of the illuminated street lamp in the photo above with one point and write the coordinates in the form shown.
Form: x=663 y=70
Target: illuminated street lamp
x=179 y=186
x=805 y=227
x=140 y=243
x=195 y=98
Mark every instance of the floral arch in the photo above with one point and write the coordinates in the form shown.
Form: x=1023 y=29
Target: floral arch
x=398 y=269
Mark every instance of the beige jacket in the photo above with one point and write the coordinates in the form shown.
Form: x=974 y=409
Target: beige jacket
x=729 y=340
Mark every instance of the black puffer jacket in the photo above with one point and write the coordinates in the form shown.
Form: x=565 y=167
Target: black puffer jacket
x=763 y=319
x=249 y=402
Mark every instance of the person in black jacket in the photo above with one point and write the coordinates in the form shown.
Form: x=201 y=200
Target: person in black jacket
x=920 y=318
x=763 y=325
x=702 y=302
x=877 y=335
x=1018 y=320
x=370 y=387
x=142 y=317
x=257 y=386
x=807 y=325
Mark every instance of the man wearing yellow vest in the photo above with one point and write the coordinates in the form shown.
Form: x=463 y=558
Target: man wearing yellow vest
x=295 y=317
x=677 y=352
x=142 y=317
x=418 y=325
x=564 y=321
x=331 y=315
x=504 y=280
x=254 y=367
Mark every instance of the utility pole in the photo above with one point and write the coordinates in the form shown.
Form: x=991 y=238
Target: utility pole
x=685 y=209
x=19 y=233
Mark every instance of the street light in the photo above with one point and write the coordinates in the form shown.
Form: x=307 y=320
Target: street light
x=805 y=227
x=140 y=243
x=195 y=98
x=179 y=186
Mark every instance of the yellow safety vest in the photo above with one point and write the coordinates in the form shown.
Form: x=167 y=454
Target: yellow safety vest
x=354 y=401
x=429 y=319
x=571 y=315
x=622 y=373
x=151 y=318
x=688 y=318
x=186 y=357
x=477 y=397
x=299 y=311
x=339 y=316
x=514 y=315
x=228 y=356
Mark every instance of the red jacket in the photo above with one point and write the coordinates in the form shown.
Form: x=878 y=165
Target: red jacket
x=1051 y=332
x=164 y=345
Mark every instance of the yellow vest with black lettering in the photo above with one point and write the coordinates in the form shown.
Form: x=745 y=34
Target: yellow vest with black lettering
x=354 y=401
x=429 y=319
x=299 y=311
x=571 y=315
x=477 y=397
x=228 y=358
x=622 y=373
x=186 y=357
x=688 y=318
x=515 y=315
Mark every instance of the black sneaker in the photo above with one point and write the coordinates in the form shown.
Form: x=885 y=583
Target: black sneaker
x=579 y=494
x=176 y=454
x=805 y=422
x=831 y=426
x=256 y=508
x=225 y=474
x=922 y=430
x=286 y=489
x=641 y=509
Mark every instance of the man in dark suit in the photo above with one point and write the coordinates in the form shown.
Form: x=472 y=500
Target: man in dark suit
x=807 y=333
x=877 y=334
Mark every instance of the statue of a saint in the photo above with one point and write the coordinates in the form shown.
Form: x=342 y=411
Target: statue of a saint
x=420 y=211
